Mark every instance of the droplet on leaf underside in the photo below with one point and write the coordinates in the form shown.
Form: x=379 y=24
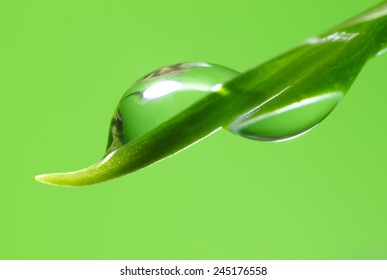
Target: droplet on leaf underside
x=164 y=93
x=286 y=122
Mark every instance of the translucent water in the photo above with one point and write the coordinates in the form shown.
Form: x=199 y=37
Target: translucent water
x=164 y=93
x=161 y=95
x=285 y=122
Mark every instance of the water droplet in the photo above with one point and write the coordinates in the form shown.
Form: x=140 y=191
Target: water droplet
x=382 y=51
x=275 y=124
x=161 y=95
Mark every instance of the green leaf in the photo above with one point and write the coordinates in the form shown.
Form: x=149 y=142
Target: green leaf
x=327 y=63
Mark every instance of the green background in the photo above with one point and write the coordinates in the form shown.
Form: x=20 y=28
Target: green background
x=65 y=64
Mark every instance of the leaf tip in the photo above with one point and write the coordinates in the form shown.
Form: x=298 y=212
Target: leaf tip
x=50 y=179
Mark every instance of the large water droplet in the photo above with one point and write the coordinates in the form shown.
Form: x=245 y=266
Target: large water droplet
x=275 y=124
x=161 y=95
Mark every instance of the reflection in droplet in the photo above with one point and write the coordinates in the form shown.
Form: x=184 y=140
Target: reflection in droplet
x=286 y=122
x=161 y=95
x=382 y=51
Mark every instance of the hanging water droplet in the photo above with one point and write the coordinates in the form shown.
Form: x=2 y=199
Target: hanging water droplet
x=266 y=123
x=161 y=95
x=313 y=91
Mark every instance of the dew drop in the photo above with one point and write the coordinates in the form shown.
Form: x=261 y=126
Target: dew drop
x=161 y=95
x=285 y=122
